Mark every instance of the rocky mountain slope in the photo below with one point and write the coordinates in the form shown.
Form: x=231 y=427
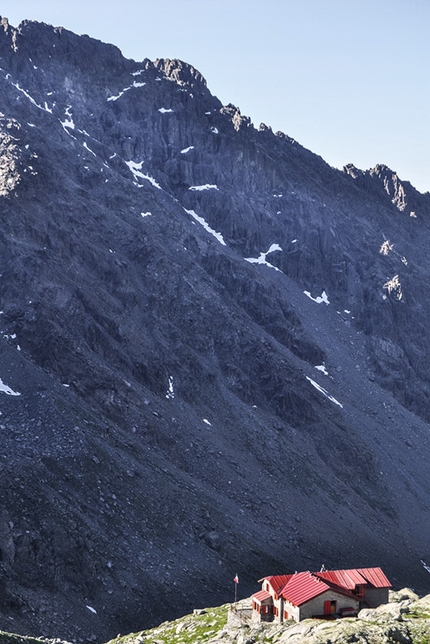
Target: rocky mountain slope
x=213 y=348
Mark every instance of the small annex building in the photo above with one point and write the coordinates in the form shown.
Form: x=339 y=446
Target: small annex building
x=325 y=594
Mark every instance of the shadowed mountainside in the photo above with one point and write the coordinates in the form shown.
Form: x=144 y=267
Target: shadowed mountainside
x=213 y=348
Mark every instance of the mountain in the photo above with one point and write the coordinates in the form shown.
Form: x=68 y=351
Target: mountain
x=213 y=348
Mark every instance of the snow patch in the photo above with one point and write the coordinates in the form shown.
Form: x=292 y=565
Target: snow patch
x=322 y=368
x=89 y=149
x=206 y=226
x=7 y=390
x=262 y=258
x=115 y=98
x=138 y=73
x=93 y=610
x=31 y=99
x=205 y=420
x=214 y=129
x=170 y=393
x=163 y=110
x=323 y=391
x=320 y=299
x=135 y=169
x=145 y=214
x=122 y=92
x=425 y=565
x=185 y=150
x=68 y=122
x=206 y=186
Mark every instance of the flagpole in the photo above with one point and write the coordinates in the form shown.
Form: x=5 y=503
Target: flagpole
x=236 y=581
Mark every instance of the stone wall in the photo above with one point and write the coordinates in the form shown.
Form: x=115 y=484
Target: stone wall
x=376 y=596
x=316 y=606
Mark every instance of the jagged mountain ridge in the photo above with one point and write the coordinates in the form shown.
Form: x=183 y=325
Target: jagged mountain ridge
x=169 y=429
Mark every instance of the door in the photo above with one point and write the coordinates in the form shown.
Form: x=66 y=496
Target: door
x=329 y=607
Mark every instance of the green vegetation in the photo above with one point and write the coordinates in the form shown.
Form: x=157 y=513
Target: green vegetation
x=197 y=628
x=9 y=638
x=418 y=614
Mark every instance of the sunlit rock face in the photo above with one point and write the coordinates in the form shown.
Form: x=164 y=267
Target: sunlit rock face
x=220 y=346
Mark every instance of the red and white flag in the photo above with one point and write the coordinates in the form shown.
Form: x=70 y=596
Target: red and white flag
x=236 y=579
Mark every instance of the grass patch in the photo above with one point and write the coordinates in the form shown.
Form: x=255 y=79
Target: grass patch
x=10 y=638
x=191 y=629
x=416 y=614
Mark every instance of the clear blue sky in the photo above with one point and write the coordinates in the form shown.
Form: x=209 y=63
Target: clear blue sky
x=348 y=79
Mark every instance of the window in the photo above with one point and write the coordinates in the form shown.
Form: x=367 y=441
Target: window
x=360 y=590
x=286 y=614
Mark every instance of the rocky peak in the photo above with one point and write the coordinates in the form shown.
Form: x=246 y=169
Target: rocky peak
x=351 y=170
x=180 y=72
x=383 y=181
x=34 y=44
x=4 y=23
x=236 y=117
x=8 y=36
x=392 y=185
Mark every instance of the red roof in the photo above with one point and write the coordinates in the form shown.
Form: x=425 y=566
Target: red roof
x=356 y=577
x=277 y=581
x=261 y=596
x=375 y=576
x=302 y=587
x=346 y=578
